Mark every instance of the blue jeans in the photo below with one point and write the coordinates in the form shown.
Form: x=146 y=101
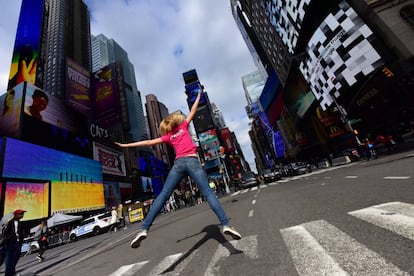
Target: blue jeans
x=12 y=256
x=183 y=167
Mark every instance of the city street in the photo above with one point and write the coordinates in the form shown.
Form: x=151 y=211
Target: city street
x=356 y=219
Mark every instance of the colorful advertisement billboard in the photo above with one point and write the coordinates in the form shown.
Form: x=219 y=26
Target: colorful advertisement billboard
x=10 y=111
x=227 y=139
x=78 y=87
x=192 y=91
x=339 y=53
x=106 y=96
x=27 y=44
x=210 y=144
x=113 y=161
x=76 y=182
x=47 y=108
x=31 y=196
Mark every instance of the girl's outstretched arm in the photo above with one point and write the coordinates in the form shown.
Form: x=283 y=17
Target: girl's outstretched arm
x=144 y=143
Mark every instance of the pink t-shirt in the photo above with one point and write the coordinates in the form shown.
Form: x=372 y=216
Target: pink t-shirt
x=180 y=140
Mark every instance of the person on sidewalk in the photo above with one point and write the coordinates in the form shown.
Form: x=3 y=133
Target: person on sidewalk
x=114 y=220
x=13 y=241
x=41 y=237
x=174 y=131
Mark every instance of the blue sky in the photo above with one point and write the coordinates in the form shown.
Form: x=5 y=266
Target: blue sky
x=163 y=39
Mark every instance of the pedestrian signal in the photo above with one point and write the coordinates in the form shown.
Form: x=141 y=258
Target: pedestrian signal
x=387 y=72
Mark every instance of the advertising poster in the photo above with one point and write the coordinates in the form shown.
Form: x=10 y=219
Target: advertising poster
x=27 y=44
x=49 y=109
x=112 y=195
x=78 y=87
x=338 y=54
x=113 y=161
x=210 y=144
x=76 y=182
x=10 y=111
x=30 y=196
x=107 y=106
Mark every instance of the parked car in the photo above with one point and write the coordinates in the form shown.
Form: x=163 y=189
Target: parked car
x=91 y=226
x=270 y=175
x=249 y=179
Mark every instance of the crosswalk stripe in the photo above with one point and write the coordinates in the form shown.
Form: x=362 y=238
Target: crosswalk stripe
x=128 y=270
x=165 y=264
x=397 y=217
x=319 y=248
x=247 y=246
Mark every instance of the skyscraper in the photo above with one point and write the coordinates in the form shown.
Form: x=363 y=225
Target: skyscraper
x=106 y=51
x=66 y=34
x=156 y=112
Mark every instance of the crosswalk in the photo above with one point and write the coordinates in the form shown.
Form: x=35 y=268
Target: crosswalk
x=315 y=247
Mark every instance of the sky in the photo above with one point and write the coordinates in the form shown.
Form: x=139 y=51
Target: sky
x=163 y=39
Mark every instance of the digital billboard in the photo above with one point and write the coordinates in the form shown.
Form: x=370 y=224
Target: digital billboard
x=49 y=109
x=10 y=111
x=106 y=96
x=203 y=119
x=287 y=17
x=113 y=161
x=27 y=44
x=210 y=144
x=31 y=196
x=190 y=76
x=192 y=91
x=338 y=54
x=76 y=182
x=227 y=139
x=78 y=87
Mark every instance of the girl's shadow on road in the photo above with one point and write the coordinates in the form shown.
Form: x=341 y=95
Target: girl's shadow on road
x=211 y=232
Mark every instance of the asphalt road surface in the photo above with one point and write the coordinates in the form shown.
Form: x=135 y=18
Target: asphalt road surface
x=356 y=219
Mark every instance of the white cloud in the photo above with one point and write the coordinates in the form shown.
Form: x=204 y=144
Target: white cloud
x=163 y=39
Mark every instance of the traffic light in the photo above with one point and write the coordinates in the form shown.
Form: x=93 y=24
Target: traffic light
x=387 y=72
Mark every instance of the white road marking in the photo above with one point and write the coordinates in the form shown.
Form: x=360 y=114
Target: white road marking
x=319 y=248
x=250 y=213
x=235 y=193
x=253 y=201
x=246 y=246
x=351 y=176
x=253 y=188
x=166 y=263
x=128 y=270
x=397 y=217
x=397 y=177
x=244 y=191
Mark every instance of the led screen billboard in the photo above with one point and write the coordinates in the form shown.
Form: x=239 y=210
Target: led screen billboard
x=76 y=182
x=227 y=139
x=27 y=44
x=10 y=111
x=192 y=91
x=287 y=17
x=113 y=161
x=106 y=96
x=203 y=119
x=190 y=76
x=50 y=110
x=210 y=144
x=338 y=54
x=31 y=196
x=78 y=87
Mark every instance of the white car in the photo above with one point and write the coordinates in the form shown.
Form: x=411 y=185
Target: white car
x=91 y=226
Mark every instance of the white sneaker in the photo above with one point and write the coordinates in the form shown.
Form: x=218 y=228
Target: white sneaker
x=142 y=235
x=228 y=230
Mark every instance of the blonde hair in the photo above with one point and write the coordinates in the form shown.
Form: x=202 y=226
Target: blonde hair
x=170 y=122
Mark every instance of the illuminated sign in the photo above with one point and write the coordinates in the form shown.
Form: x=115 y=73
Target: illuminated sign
x=338 y=53
x=76 y=182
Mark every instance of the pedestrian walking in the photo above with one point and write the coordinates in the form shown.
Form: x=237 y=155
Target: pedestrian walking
x=41 y=237
x=174 y=131
x=114 y=220
x=121 y=218
x=13 y=241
